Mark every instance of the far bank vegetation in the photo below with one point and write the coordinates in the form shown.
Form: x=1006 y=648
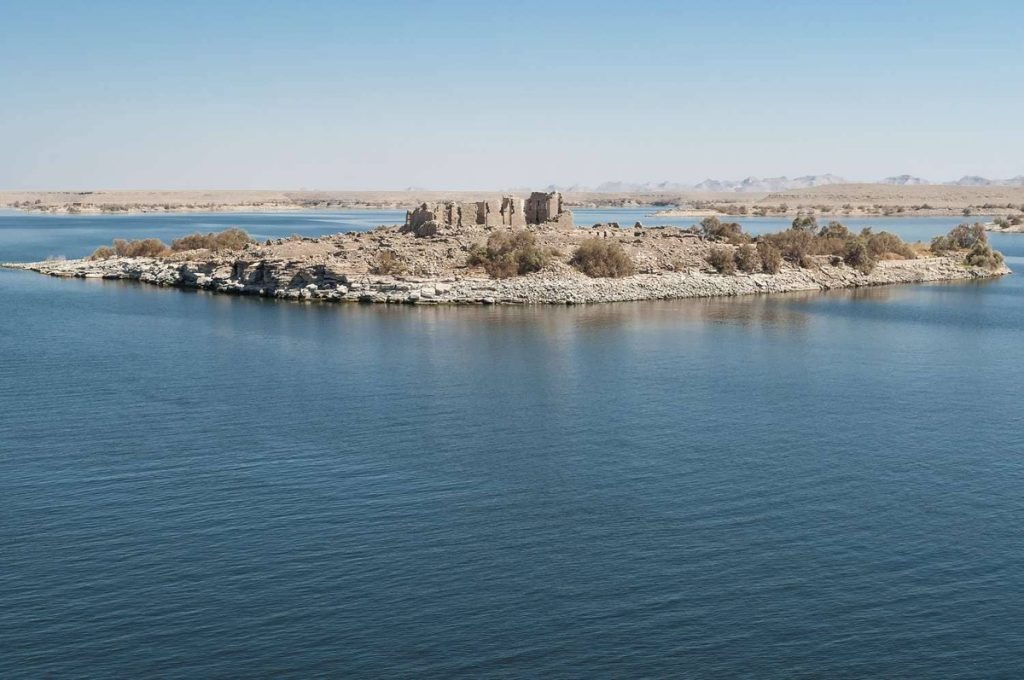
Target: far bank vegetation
x=229 y=239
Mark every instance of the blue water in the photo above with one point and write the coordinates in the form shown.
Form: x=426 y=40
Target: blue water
x=804 y=486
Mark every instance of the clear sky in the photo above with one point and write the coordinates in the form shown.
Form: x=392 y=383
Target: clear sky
x=471 y=94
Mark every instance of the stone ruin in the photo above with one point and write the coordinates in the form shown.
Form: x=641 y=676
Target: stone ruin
x=540 y=209
x=545 y=208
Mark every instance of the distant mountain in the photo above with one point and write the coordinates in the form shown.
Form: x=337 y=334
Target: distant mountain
x=905 y=181
x=758 y=184
x=575 y=188
x=634 y=187
x=714 y=185
x=771 y=184
x=972 y=181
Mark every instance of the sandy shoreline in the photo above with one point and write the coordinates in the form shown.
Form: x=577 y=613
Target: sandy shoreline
x=837 y=200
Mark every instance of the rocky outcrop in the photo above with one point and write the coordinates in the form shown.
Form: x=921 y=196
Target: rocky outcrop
x=296 y=280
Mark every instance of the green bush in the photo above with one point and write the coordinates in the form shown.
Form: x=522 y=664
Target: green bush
x=722 y=260
x=602 y=258
x=509 y=254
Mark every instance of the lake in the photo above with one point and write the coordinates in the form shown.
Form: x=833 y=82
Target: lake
x=795 y=486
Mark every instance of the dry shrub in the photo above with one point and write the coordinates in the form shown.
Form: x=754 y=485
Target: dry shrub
x=795 y=245
x=509 y=254
x=942 y=245
x=966 y=236
x=150 y=247
x=885 y=244
x=229 y=239
x=803 y=242
x=806 y=223
x=721 y=259
x=834 y=229
x=715 y=229
x=387 y=263
x=602 y=258
x=961 y=237
x=983 y=256
x=746 y=259
x=771 y=258
x=103 y=253
x=858 y=255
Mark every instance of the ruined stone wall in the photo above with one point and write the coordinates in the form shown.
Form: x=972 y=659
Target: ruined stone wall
x=509 y=211
x=542 y=207
x=513 y=212
x=547 y=208
x=446 y=214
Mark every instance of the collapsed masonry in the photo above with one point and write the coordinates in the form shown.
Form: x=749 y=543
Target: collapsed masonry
x=541 y=209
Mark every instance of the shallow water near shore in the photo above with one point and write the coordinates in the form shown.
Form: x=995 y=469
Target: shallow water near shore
x=195 y=485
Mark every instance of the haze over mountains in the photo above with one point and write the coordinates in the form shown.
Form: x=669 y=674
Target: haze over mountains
x=771 y=184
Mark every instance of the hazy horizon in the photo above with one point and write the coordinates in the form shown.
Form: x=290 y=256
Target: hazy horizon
x=451 y=94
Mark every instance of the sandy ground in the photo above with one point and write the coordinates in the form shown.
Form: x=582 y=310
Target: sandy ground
x=840 y=199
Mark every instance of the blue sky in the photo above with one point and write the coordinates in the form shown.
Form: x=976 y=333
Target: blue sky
x=459 y=94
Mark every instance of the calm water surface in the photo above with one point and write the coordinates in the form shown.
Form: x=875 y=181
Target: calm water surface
x=797 y=486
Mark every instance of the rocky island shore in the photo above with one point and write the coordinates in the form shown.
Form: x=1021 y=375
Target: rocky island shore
x=515 y=251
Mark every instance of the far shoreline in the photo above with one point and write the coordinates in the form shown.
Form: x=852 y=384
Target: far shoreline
x=836 y=201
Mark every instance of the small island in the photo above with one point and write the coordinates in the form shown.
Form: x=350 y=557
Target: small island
x=510 y=250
